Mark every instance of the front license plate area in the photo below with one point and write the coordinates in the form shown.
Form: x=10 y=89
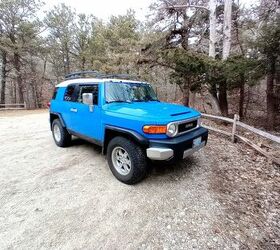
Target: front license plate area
x=196 y=142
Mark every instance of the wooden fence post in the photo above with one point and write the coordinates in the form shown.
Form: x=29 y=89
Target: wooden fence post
x=235 y=119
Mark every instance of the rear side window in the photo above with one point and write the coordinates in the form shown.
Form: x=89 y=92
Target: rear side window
x=54 y=93
x=70 y=94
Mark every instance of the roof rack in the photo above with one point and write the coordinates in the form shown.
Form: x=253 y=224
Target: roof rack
x=96 y=74
x=80 y=74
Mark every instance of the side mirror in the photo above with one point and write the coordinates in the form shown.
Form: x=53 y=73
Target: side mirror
x=87 y=98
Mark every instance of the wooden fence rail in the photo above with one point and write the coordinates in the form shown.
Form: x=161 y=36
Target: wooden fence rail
x=235 y=123
x=12 y=106
x=260 y=132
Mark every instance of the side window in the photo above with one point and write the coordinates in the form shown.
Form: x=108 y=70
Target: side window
x=89 y=89
x=70 y=94
x=54 y=93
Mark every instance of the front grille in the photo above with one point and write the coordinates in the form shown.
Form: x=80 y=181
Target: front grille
x=186 y=126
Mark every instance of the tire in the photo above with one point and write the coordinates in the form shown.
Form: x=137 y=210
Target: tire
x=60 y=134
x=136 y=156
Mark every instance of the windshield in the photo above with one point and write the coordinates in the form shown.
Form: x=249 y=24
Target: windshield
x=129 y=92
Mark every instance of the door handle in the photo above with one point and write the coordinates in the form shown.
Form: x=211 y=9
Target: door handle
x=74 y=110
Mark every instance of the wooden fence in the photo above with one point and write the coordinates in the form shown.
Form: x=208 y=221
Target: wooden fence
x=273 y=156
x=12 y=106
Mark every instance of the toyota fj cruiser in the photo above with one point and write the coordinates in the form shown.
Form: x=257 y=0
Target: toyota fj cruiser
x=126 y=119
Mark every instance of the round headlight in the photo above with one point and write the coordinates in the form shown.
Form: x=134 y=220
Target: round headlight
x=171 y=130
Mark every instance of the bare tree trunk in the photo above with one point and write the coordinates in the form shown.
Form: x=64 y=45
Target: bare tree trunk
x=176 y=92
x=3 y=77
x=215 y=104
x=227 y=29
x=186 y=97
x=215 y=100
x=212 y=51
x=44 y=69
x=33 y=85
x=185 y=43
x=192 y=99
x=277 y=93
x=212 y=28
x=83 y=63
x=19 y=77
x=35 y=93
x=247 y=102
x=67 y=62
x=223 y=99
x=222 y=95
x=185 y=32
x=241 y=97
x=270 y=99
x=14 y=92
x=186 y=93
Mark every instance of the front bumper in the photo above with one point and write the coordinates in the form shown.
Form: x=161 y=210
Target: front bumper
x=178 y=147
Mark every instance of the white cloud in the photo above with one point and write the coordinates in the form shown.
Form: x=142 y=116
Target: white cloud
x=105 y=8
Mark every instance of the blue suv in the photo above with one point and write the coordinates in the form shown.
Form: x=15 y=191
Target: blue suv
x=126 y=119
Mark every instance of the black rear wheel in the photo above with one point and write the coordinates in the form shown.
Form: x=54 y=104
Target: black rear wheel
x=126 y=160
x=60 y=134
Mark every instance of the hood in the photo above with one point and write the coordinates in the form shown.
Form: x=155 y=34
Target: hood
x=153 y=110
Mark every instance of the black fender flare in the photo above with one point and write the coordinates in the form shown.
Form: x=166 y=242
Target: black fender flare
x=123 y=131
x=60 y=118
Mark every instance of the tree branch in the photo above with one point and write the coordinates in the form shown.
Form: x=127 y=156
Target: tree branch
x=183 y=6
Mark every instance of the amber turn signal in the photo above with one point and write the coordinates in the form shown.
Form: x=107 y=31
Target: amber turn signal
x=154 y=129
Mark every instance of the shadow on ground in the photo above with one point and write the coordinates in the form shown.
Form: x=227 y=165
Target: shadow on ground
x=155 y=168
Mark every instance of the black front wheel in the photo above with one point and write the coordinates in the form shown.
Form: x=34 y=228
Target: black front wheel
x=126 y=160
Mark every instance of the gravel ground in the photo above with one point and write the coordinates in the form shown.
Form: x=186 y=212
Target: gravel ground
x=223 y=197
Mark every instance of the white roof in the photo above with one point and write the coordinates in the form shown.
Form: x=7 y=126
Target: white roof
x=93 y=81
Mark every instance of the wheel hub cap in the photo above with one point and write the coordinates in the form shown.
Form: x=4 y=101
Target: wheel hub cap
x=121 y=161
x=56 y=133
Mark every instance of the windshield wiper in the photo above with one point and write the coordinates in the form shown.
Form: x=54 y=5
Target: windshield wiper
x=120 y=101
x=138 y=100
x=151 y=100
x=145 y=100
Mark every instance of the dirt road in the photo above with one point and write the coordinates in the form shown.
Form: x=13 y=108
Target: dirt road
x=57 y=198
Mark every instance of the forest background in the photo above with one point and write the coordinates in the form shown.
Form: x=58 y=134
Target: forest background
x=215 y=55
